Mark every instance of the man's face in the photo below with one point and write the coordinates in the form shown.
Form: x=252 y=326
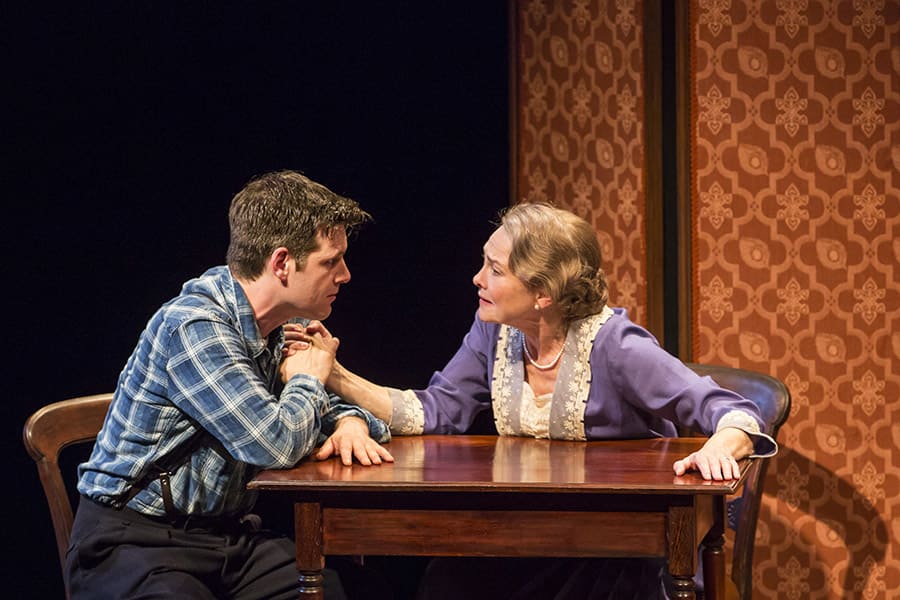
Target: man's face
x=315 y=286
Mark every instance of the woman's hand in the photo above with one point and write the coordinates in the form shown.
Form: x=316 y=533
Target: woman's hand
x=718 y=457
x=294 y=339
x=348 y=385
x=351 y=439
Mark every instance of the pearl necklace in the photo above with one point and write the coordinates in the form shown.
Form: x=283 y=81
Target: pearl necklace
x=539 y=366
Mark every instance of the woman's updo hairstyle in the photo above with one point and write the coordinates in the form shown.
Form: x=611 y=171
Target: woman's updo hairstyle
x=557 y=252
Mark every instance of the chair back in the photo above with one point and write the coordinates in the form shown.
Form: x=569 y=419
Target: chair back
x=773 y=399
x=45 y=434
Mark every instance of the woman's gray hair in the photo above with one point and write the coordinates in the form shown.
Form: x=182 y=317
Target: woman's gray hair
x=557 y=252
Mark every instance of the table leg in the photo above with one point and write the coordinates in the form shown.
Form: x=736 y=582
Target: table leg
x=681 y=536
x=310 y=560
x=714 y=554
x=714 y=569
x=683 y=588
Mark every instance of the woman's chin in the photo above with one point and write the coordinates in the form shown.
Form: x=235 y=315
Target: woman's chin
x=486 y=314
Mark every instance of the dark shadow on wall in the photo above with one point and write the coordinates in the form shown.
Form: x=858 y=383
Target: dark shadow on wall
x=806 y=487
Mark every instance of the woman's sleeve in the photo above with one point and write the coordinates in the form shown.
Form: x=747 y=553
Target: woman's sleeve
x=454 y=396
x=654 y=380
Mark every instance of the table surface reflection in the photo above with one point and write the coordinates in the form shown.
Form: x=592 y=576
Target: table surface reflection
x=508 y=496
x=508 y=464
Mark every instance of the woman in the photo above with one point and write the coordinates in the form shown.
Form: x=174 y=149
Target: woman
x=552 y=360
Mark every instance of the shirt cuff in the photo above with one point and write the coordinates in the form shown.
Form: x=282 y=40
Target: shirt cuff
x=764 y=446
x=311 y=388
x=407 y=414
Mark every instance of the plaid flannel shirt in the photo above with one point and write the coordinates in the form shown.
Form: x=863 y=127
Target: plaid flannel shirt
x=202 y=375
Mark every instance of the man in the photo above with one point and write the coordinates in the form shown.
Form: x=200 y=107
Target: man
x=207 y=400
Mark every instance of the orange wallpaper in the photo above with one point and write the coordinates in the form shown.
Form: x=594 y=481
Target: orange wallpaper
x=579 y=120
x=796 y=195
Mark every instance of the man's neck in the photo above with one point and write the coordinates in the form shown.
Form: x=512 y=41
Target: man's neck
x=264 y=304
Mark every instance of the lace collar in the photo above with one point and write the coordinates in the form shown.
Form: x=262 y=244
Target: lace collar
x=573 y=383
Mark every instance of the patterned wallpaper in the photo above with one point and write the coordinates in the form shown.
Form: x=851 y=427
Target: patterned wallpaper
x=796 y=240
x=579 y=121
x=796 y=195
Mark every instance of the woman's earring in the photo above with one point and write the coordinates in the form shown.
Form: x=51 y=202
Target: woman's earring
x=537 y=306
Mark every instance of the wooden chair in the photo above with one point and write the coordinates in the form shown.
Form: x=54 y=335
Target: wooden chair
x=774 y=402
x=45 y=434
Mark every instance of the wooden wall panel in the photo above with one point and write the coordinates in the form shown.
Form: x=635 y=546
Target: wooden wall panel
x=796 y=218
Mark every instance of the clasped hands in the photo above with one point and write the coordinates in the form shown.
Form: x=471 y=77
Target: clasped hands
x=311 y=350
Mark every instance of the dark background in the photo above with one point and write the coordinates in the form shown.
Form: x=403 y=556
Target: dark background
x=126 y=130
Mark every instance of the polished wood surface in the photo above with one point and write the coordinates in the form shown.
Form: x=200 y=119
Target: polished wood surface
x=507 y=496
x=508 y=464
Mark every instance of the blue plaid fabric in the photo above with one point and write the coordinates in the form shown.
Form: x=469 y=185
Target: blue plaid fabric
x=203 y=375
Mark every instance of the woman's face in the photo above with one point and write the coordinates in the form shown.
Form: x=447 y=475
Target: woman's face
x=503 y=298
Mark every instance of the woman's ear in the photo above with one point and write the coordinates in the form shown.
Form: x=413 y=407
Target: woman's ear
x=542 y=301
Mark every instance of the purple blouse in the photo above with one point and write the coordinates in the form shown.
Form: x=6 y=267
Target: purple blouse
x=614 y=382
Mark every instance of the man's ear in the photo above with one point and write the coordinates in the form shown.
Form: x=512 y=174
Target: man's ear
x=279 y=264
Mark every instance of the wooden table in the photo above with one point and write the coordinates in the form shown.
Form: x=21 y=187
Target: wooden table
x=508 y=496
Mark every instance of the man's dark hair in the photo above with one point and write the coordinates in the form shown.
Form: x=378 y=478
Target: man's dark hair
x=284 y=208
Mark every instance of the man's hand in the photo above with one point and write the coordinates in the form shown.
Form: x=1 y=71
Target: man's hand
x=309 y=350
x=718 y=457
x=351 y=438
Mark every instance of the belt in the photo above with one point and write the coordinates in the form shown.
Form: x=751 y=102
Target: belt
x=220 y=523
